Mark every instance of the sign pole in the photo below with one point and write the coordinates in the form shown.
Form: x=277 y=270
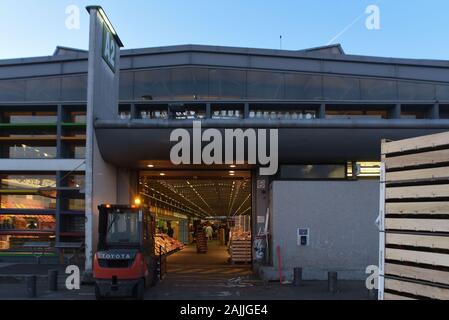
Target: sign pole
x=102 y=103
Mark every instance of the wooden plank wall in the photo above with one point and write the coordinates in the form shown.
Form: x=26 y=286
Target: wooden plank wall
x=415 y=226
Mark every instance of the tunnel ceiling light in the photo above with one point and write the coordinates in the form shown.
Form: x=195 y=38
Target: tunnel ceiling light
x=150 y=166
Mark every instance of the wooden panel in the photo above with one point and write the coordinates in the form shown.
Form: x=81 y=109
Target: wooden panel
x=416 y=159
x=417 y=289
x=433 y=140
x=414 y=192
x=390 y=296
x=436 y=225
x=421 y=174
x=417 y=240
x=429 y=275
x=430 y=258
x=415 y=277
x=417 y=208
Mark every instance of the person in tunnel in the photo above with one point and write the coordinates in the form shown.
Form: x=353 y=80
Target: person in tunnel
x=170 y=230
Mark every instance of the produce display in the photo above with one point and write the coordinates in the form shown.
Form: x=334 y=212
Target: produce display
x=166 y=245
x=239 y=234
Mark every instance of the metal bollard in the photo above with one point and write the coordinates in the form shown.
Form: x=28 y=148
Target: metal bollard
x=372 y=294
x=332 y=281
x=53 y=280
x=31 y=286
x=297 y=276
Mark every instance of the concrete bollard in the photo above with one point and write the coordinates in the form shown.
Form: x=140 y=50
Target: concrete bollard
x=297 y=276
x=332 y=277
x=31 y=286
x=53 y=280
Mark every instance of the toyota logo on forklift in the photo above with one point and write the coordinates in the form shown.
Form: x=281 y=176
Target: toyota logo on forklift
x=117 y=256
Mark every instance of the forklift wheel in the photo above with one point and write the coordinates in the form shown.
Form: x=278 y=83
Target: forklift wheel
x=140 y=289
x=98 y=295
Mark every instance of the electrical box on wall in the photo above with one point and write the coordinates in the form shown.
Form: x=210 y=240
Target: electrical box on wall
x=303 y=236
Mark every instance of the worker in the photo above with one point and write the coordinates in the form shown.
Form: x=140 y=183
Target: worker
x=170 y=230
x=209 y=232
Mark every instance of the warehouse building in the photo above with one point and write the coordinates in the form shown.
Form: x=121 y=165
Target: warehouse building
x=331 y=110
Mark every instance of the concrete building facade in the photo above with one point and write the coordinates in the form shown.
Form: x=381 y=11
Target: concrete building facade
x=331 y=110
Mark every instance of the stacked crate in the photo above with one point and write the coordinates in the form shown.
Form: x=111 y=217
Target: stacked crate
x=201 y=242
x=414 y=224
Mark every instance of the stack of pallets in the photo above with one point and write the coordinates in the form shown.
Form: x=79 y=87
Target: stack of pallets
x=240 y=244
x=414 y=222
x=240 y=251
x=201 y=242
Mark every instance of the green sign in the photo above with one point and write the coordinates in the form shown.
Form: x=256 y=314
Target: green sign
x=109 y=47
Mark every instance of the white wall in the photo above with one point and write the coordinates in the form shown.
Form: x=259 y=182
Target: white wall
x=341 y=216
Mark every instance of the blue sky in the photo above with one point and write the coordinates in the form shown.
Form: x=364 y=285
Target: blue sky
x=408 y=28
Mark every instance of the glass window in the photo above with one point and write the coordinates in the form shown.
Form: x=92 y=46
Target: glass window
x=333 y=171
x=341 y=88
x=281 y=112
x=227 y=111
x=187 y=111
x=190 y=83
x=43 y=89
x=12 y=90
x=19 y=181
x=444 y=111
x=345 y=112
x=374 y=89
x=415 y=111
x=74 y=88
x=76 y=205
x=29 y=117
x=76 y=151
x=78 y=116
x=122 y=228
x=27 y=222
x=226 y=84
x=25 y=151
x=265 y=85
x=72 y=223
x=416 y=91
x=364 y=169
x=16 y=240
x=442 y=92
x=27 y=201
x=302 y=87
x=76 y=181
x=126 y=86
x=20 y=134
x=152 y=85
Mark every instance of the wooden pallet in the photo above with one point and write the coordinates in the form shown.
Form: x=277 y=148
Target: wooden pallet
x=240 y=251
x=415 y=218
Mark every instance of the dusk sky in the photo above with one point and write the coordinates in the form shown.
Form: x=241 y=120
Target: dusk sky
x=408 y=28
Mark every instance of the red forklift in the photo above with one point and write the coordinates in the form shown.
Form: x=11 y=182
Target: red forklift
x=125 y=263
